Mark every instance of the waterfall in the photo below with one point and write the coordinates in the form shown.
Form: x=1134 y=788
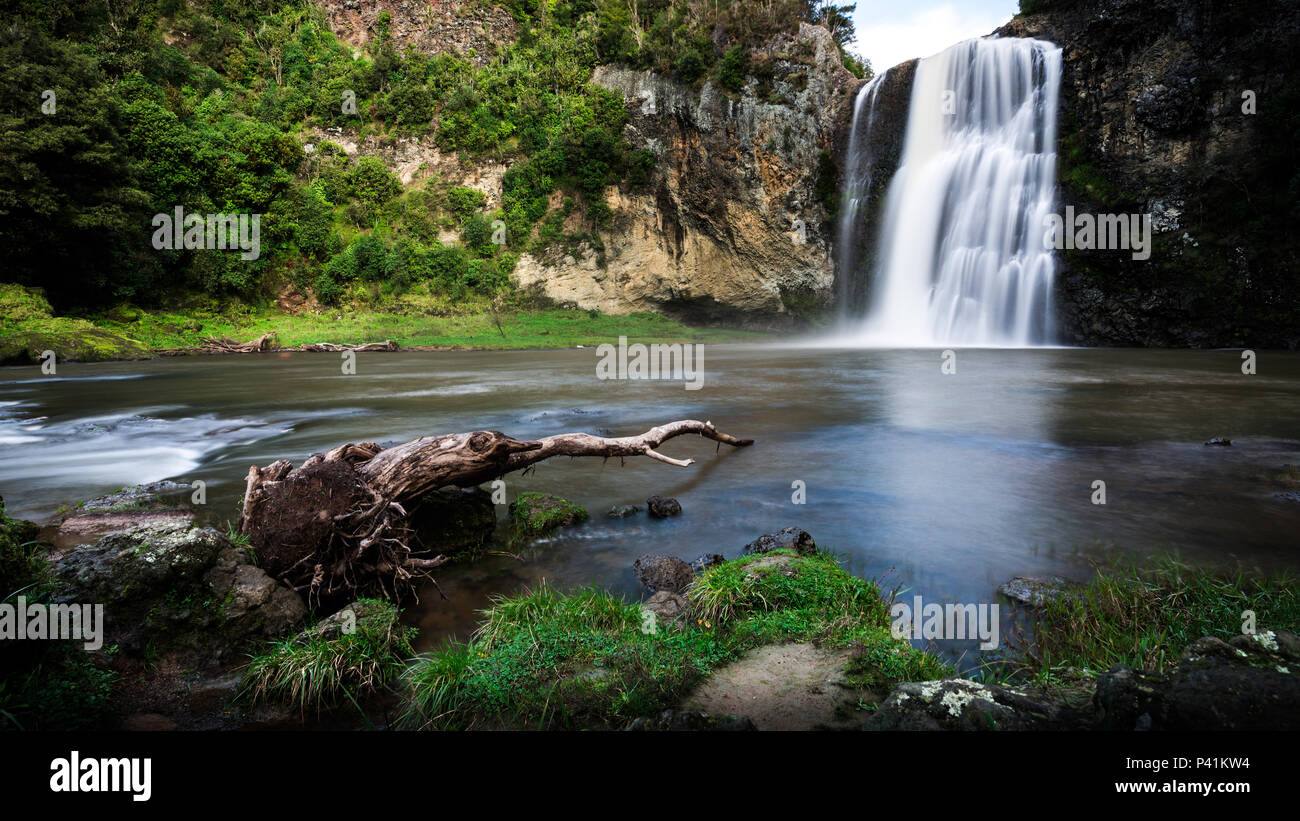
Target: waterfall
x=857 y=189
x=961 y=258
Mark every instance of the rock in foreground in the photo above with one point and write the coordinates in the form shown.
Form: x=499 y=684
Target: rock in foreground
x=170 y=586
x=658 y=573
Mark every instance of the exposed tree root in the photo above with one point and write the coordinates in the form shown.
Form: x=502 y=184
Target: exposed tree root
x=339 y=523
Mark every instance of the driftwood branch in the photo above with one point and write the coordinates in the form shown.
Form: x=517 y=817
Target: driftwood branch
x=266 y=344
x=342 y=521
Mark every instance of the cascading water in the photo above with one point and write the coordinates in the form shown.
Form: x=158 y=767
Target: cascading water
x=961 y=257
x=858 y=181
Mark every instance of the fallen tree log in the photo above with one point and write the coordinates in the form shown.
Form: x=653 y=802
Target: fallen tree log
x=332 y=347
x=225 y=344
x=339 y=524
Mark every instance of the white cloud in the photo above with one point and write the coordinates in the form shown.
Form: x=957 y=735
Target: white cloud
x=926 y=32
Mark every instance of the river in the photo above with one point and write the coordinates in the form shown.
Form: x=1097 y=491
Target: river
x=948 y=484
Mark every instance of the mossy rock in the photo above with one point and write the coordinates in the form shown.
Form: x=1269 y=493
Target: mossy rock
x=30 y=329
x=535 y=514
x=19 y=304
x=74 y=340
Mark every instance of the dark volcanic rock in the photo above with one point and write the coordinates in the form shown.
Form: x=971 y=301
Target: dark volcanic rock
x=661 y=507
x=663 y=573
x=1128 y=699
x=692 y=720
x=1247 y=683
x=960 y=704
x=791 y=538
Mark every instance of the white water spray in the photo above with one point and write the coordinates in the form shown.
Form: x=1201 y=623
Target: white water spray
x=962 y=259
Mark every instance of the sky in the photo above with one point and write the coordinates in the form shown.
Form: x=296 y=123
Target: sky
x=892 y=31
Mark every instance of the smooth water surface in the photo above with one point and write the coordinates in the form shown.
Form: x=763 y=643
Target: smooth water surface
x=948 y=484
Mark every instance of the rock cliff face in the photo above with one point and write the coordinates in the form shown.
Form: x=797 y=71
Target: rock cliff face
x=1185 y=110
x=438 y=27
x=733 y=225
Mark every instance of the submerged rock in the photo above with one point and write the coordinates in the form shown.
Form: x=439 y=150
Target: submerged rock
x=791 y=538
x=155 y=494
x=622 y=511
x=153 y=503
x=534 y=514
x=1034 y=591
x=1221 y=441
x=663 y=573
x=661 y=507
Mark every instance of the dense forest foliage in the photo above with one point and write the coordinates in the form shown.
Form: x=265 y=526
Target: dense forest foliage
x=114 y=111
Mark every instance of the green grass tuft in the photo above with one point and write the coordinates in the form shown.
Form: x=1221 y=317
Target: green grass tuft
x=323 y=669
x=545 y=659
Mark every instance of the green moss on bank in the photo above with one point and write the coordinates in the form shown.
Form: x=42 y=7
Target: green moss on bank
x=544 y=659
x=415 y=320
x=28 y=329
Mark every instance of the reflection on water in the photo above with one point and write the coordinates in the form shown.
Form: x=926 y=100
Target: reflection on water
x=949 y=484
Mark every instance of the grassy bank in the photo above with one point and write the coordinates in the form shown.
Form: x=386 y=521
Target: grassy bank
x=415 y=320
x=1144 y=616
x=543 y=659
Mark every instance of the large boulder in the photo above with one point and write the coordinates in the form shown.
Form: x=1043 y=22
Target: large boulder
x=1246 y=683
x=791 y=538
x=171 y=586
